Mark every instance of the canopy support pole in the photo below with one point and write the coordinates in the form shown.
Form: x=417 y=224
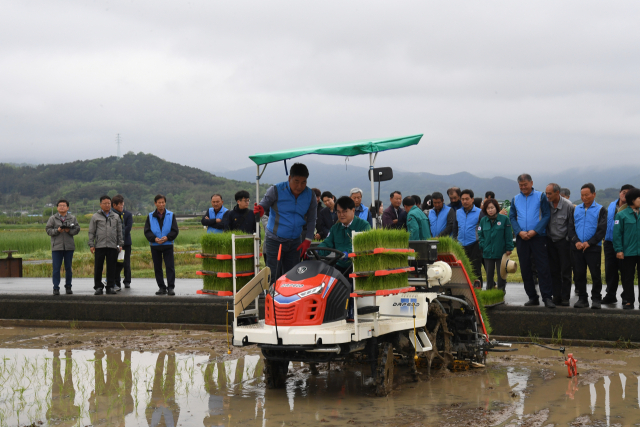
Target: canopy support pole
x=256 y=239
x=372 y=162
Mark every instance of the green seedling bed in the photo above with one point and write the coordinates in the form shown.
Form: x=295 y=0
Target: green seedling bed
x=220 y=244
x=374 y=239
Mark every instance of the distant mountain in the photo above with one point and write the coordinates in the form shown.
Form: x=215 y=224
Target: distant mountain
x=138 y=177
x=602 y=178
x=339 y=180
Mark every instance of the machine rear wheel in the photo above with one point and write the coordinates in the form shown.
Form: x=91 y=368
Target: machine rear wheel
x=440 y=337
x=275 y=373
x=384 y=377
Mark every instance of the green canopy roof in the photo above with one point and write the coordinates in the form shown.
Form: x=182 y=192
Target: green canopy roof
x=340 y=149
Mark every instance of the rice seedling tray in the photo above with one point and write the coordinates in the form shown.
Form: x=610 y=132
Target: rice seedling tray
x=379 y=251
x=224 y=275
x=381 y=292
x=380 y=273
x=224 y=257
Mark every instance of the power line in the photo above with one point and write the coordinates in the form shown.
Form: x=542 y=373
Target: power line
x=118 y=144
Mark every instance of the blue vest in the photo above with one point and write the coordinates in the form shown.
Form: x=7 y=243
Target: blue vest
x=212 y=215
x=586 y=222
x=467 y=225
x=438 y=222
x=364 y=214
x=287 y=214
x=528 y=210
x=166 y=227
x=611 y=215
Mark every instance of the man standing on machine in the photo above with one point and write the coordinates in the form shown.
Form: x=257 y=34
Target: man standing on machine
x=290 y=205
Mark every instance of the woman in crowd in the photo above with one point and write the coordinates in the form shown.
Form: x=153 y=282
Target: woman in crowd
x=62 y=226
x=626 y=243
x=496 y=238
x=327 y=216
x=427 y=204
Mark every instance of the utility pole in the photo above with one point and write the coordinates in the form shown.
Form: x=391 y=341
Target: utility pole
x=118 y=143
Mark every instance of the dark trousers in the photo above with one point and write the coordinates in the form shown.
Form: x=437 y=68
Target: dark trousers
x=57 y=257
x=630 y=265
x=592 y=259
x=159 y=253
x=475 y=256
x=535 y=247
x=493 y=267
x=612 y=267
x=126 y=266
x=289 y=257
x=111 y=256
x=559 y=254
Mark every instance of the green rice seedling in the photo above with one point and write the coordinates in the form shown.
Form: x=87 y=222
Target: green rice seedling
x=485 y=316
x=213 y=283
x=376 y=283
x=225 y=266
x=449 y=245
x=382 y=261
x=490 y=296
x=220 y=244
x=381 y=238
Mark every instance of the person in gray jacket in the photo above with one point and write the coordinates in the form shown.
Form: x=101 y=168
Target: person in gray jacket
x=62 y=226
x=105 y=241
x=558 y=245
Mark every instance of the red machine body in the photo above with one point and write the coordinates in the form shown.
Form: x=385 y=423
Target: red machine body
x=311 y=293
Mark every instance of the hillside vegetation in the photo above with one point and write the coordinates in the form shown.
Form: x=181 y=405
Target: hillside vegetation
x=138 y=177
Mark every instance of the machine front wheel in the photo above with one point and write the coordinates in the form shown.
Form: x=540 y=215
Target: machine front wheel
x=384 y=377
x=275 y=373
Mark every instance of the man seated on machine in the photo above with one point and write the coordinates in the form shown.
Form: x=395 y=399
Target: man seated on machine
x=340 y=238
x=340 y=234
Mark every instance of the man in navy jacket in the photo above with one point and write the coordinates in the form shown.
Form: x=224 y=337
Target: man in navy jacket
x=117 y=206
x=529 y=217
x=587 y=228
x=241 y=218
x=467 y=219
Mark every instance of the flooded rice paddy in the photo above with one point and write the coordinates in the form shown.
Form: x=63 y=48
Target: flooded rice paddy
x=177 y=378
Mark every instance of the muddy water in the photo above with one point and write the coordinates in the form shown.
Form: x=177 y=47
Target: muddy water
x=86 y=379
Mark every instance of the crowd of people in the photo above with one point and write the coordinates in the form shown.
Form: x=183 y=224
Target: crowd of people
x=110 y=243
x=557 y=242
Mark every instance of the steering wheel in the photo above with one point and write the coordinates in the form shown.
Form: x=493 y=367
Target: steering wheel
x=329 y=260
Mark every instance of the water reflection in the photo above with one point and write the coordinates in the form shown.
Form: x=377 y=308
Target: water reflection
x=223 y=380
x=518 y=379
x=111 y=400
x=163 y=409
x=118 y=388
x=62 y=411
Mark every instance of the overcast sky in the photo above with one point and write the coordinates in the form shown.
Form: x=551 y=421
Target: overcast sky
x=494 y=86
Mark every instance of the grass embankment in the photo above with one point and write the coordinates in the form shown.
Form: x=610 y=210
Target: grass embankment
x=141 y=264
x=35 y=244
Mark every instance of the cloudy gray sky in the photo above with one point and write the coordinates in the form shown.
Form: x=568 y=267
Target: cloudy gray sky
x=552 y=84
